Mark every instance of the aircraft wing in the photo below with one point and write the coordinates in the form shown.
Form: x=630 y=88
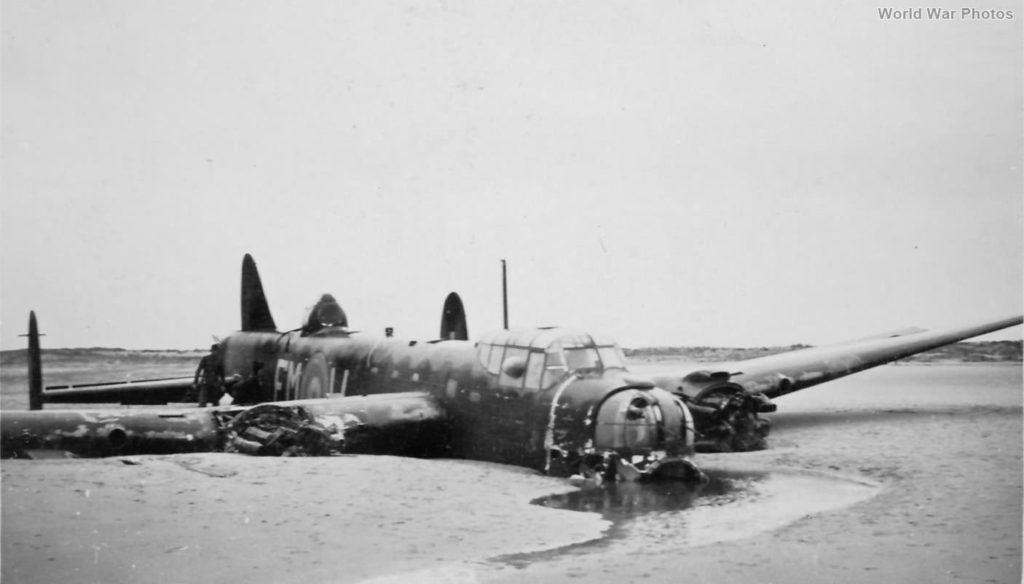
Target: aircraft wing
x=725 y=400
x=398 y=423
x=149 y=391
x=407 y=423
x=777 y=375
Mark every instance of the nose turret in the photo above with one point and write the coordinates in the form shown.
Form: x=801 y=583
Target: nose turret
x=647 y=432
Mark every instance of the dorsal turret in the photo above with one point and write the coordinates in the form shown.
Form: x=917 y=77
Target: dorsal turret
x=326 y=313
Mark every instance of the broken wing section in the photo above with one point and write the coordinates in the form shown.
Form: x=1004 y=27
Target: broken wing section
x=403 y=424
x=410 y=424
x=98 y=433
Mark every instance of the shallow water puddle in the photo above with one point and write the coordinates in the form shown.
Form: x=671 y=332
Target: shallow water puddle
x=732 y=505
x=625 y=501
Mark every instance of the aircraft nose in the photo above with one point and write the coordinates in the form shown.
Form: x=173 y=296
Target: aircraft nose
x=649 y=433
x=641 y=421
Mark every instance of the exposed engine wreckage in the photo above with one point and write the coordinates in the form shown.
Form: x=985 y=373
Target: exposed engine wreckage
x=725 y=415
x=273 y=430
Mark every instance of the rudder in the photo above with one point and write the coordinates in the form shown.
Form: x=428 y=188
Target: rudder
x=35 y=365
x=453 y=319
x=255 y=311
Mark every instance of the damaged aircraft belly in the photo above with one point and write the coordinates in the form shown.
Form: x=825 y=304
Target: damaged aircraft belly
x=393 y=423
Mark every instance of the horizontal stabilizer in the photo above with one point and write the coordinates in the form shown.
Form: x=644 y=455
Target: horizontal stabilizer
x=149 y=391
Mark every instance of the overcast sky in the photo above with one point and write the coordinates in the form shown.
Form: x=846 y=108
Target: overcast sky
x=702 y=173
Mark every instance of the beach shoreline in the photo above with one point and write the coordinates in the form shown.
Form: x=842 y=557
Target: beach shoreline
x=943 y=445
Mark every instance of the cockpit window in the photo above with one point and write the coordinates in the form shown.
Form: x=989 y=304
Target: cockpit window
x=534 y=370
x=547 y=354
x=612 y=357
x=579 y=358
x=555 y=365
x=515 y=357
x=494 y=360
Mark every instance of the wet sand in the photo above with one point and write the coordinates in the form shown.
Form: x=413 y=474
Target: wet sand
x=941 y=445
x=945 y=445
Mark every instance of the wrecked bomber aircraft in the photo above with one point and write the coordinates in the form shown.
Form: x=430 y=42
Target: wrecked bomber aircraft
x=557 y=400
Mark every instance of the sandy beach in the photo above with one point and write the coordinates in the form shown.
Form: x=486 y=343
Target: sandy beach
x=899 y=474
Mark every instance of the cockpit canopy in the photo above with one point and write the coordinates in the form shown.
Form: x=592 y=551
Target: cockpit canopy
x=537 y=358
x=325 y=313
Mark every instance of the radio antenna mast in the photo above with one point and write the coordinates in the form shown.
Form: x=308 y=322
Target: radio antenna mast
x=504 y=294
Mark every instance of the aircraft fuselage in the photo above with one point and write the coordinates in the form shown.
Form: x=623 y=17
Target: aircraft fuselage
x=522 y=405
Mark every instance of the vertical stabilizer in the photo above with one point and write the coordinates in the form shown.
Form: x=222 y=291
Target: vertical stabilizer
x=255 y=312
x=35 y=365
x=453 y=319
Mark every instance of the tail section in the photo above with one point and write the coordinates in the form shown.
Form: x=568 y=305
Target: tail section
x=35 y=365
x=453 y=319
x=255 y=311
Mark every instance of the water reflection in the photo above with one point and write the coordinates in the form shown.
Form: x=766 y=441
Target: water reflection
x=624 y=501
x=733 y=505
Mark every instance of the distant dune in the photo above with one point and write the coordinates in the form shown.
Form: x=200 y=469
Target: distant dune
x=965 y=352
x=91 y=365
x=95 y=355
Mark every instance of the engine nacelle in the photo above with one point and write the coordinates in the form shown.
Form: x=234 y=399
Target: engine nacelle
x=724 y=413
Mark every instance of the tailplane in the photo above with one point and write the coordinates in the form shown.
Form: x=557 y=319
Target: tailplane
x=255 y=311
